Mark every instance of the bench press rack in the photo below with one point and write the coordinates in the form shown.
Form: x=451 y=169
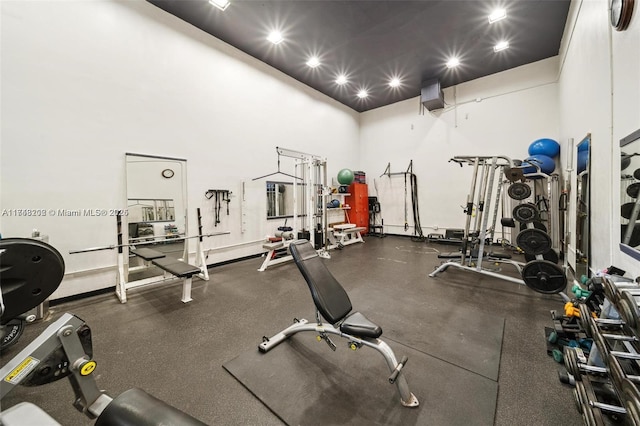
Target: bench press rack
x=173 y=269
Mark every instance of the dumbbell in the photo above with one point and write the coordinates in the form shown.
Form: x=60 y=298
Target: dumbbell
x=592 y=409
x=580 y=292
x=628 y=306
x=608 y=354
x=612 y=289
x=591 y=325
x=576 y=364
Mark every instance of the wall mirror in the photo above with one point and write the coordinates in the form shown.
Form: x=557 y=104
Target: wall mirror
x=630 y=194
x=582 y=207
x=280 y=200
x=156 y=202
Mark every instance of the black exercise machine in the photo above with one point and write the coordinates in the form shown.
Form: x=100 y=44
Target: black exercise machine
x=333 y=304
x=31 y=272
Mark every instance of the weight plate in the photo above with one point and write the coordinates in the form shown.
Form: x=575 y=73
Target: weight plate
x=544 y=277
x=588 y=416
x=11 y=332
x=519 y=191
x=625 y=160
x=513 y=174
x=627 y=306
x=581 y=394
x=533 y=241
x=536 y=224
x=636 y=174
x=634 y=241
x=571 y=363
x=610 y=291
x=526 y=212
x=600 y=342
x=577 y=401
x=631 y=401
x=551 y=256
x=31 y=271
x=615 y=371
x=633 y=189
x=626 y=209
x=585 y=314
x=591 y=396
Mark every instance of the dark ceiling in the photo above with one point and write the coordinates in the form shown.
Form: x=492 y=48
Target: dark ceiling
x=372 y=41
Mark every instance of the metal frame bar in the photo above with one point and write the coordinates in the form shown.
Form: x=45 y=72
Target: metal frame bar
x=407 y=398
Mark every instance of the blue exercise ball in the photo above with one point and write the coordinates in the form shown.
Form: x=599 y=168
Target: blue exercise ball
x=546 y=164
x=583 y=159
x=544 y=146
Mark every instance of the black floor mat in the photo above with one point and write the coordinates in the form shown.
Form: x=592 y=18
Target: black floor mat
x=305 y=383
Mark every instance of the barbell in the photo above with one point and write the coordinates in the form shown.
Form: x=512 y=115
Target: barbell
x=143 y=243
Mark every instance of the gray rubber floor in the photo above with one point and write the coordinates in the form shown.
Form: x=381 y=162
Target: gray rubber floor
x=176 y=351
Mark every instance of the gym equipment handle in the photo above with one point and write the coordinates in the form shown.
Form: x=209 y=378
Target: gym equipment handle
x=396 y=371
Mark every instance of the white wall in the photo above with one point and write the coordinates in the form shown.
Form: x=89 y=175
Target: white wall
x=83 y=82
x=495 y=115
x=599 y=93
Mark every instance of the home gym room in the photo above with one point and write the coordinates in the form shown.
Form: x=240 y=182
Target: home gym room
x=341 y=225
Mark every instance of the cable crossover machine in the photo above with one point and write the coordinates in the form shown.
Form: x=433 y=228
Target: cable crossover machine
x=538 y=241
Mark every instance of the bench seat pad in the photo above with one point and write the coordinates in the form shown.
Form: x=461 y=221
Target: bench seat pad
x=177 y=268
x=358 y=325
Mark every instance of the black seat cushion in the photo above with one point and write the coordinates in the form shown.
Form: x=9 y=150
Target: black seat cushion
x=328 y=295
x=176 y=267
x=358 y=325
x=148 y=254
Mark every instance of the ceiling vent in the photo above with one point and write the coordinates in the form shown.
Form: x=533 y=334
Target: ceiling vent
x=431 y=95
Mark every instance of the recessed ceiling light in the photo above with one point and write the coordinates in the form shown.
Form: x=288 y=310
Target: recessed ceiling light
x=313 y=62
x=453 y=62
x=275 y=37
x=341 y=79
x=394 y=82
x=363 y=94
x=497 y=15
x=220 y=4
x=501 y=46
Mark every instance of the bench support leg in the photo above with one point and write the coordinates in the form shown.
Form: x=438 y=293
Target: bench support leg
x=268 y=261
x=407 y=398
x=186 y=290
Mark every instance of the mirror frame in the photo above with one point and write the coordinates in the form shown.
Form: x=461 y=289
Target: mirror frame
x=179 y=202
x=633 y=252
x=582 y=212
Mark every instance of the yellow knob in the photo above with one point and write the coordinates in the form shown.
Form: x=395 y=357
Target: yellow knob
x=87 y=368
x=318 y=338
x=353 y=346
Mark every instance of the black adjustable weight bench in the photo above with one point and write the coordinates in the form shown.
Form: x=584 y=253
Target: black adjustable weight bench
x=333 y=304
